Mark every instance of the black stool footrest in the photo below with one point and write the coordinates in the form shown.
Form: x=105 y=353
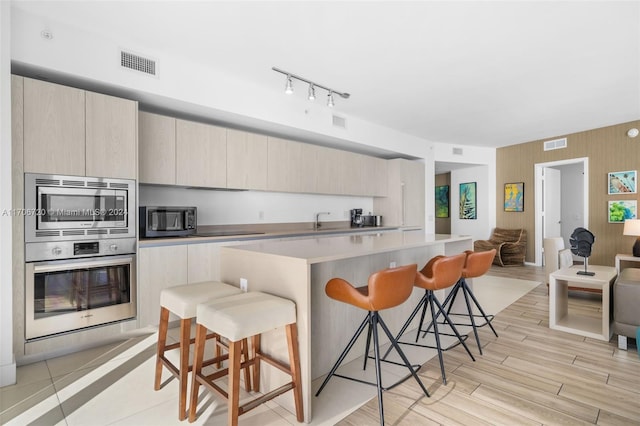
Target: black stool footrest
x=453 y=345
x=468 y=324
x=354 y=379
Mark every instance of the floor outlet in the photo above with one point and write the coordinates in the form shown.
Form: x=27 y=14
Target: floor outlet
x=244 y=284
x=392 y=265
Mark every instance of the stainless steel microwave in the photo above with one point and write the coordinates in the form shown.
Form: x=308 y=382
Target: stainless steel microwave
x=60 y=207
x=167 y=221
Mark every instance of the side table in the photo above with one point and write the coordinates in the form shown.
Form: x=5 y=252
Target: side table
x=621 y=257
x=559 y=316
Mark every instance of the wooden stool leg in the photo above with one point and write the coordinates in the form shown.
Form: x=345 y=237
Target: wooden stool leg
x=294 y=362
x=255 y=349
x=201 y=340
x=245 y=358
x=233 y=405
x=162 y=342
x=185 y=340
x=218 y=351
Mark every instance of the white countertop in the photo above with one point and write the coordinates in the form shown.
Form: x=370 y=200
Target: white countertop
x=326 y=249
x=263 y=235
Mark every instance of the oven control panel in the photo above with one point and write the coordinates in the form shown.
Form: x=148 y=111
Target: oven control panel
x=54 y=250
x=88 y=248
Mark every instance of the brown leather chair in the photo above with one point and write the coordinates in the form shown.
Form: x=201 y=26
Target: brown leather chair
x=439 y=273
x=476 y=265
x=385 y=289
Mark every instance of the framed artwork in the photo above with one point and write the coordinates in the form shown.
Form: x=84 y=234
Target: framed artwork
x=514 y=197
x=621 y=210
x=442 y=201
x=623 y=182
x=468 y=200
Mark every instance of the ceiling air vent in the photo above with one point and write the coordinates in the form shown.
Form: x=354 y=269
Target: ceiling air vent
x=339 y=121
x=457 y=151
x=555 y=144
x=137 y=63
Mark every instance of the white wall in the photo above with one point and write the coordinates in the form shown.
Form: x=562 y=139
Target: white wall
x=480 y=227
x=244 y=207
x=7 y=361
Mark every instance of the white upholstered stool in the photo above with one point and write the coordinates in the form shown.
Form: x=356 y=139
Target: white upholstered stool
x=236 y=318
x=182 y=301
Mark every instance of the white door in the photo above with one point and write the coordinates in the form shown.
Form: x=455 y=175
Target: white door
x=552 y=212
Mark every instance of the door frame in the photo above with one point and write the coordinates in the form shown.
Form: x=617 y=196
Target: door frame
x=539 y=188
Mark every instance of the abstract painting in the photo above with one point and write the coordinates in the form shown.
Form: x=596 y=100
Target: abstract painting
x=619 y=211
x=442 y=201
x=514 y=197
x=468 y=200
x=623 y=182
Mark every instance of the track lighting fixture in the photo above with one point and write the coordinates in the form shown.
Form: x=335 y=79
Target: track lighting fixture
x=330 y=102
x=289 y=87
x=312 y=87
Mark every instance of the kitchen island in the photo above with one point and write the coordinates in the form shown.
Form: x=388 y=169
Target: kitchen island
x=299 y=269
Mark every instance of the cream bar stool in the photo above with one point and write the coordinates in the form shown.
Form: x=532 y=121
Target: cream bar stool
x=182 y=301
x=236 y=318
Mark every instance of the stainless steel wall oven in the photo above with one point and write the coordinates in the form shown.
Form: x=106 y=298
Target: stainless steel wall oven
x=80 y=244
x=67 y=295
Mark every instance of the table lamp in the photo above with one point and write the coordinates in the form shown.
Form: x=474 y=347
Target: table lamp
x=632 y=227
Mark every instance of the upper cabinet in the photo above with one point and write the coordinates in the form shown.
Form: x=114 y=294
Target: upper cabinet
x=76 y=132
x=112 y=125
x=404 y=203
x=54 y=128
x=157 y=149
x=291 y=166
x=201 y=155
x=246 y=160
x=187 y=153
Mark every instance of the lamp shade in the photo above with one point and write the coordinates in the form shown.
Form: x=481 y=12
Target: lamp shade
x=631 y=227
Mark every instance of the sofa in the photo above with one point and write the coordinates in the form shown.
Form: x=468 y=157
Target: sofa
x=510 y=245
x=626 y=300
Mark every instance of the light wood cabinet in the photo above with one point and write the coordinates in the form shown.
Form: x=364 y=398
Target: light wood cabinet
x=331 y=178
x=374 y=175
x=404 y=203
x=292 y=166
x=76 y=132
x=246 y=160
x=157 y=148
x=203 y=262
x=54 y=128
x=201 y=155
x=111 y=141
x=158 y=268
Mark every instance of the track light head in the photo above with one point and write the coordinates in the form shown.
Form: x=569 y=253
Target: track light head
x=289 y=87
x=330 y=102
x=312 y=92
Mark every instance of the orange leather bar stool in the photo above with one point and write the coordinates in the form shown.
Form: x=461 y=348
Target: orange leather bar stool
x=477 y=264
x=182 y=301
x=439 y=273
x=385 y=289
x=237 y=318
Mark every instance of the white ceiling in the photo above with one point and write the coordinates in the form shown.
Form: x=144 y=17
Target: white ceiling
x=486 y=73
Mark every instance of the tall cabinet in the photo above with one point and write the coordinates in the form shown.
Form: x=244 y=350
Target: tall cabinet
x=404 y=203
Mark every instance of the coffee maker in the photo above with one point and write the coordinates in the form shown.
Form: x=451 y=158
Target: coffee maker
x=356 y=217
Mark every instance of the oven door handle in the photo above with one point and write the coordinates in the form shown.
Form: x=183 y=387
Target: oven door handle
x=61 y=265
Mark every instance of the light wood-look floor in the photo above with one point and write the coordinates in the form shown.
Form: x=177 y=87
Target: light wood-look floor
x=528 y=375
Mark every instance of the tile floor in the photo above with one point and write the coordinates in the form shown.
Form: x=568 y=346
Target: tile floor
x=113 y=384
